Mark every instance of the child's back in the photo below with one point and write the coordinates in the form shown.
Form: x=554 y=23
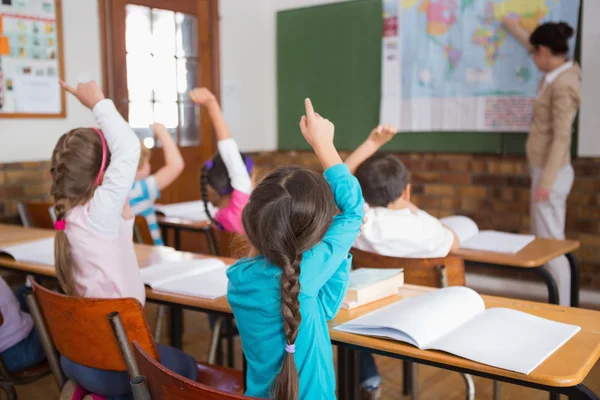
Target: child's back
x=283 y=297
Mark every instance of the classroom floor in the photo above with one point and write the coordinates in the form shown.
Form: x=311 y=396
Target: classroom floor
x=435 y=384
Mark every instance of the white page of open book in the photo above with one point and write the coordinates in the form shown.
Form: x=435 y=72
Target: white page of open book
x=37 y=251
x=205 y=278
x=464 y=227
x=500 y=242
x=191 y=210
x=420 y=320
x=507 y=339
x=367 y=276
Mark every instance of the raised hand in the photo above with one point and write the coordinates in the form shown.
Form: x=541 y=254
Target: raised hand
x=316 y=130
x=203 y=96
x=88 y=94
x=382 y=134
x=160 y=131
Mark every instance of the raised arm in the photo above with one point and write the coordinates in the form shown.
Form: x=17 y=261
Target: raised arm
x=236 y=168
x=377 y=138
x=521 y=34
x=110 y=196
x=173 y=160
x=327 y=257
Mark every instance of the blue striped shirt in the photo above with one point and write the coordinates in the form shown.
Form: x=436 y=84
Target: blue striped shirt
x=142 y=196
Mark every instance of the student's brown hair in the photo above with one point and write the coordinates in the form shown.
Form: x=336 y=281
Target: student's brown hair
x=145 y=154
x=383 y=179
x=288 y=213
x=74 y=167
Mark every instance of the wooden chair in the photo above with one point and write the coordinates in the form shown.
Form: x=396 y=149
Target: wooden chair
x=141 y=231
x=36 y=214
x=227 y=244
x=432 y=272
x=8 y=380
x=166 y=385
x=81 y=331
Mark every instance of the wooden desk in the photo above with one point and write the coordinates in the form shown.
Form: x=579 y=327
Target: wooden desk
x=179 y=224
x=563 y=372
x=532 y=257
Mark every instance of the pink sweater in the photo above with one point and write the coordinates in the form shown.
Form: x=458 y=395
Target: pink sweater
x=17 y=324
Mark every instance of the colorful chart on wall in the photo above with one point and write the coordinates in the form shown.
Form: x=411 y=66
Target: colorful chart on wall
x=30 y=59
x=449 y=65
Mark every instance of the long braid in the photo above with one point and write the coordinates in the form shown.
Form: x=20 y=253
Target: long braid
x=286 y=384
x=204 y=190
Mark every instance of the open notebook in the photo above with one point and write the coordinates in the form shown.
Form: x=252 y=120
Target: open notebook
x=472 y=238
x=191 y=210
x=204 y=277
x=455 y=320
x=35 y=252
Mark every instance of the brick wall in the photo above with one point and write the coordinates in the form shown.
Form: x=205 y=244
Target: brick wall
x=22 y=181
x=493 y=191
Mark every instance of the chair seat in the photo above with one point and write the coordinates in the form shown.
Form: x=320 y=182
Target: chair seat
x=225 y=379
x=36 y=371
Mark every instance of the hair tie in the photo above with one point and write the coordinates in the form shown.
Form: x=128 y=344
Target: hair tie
x=290 y=348
x=103 y=164
x=60 y=225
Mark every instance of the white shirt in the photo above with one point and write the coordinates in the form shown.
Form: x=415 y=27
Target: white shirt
x=402 y=233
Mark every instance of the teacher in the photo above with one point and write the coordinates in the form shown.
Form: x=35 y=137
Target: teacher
x=549 y=142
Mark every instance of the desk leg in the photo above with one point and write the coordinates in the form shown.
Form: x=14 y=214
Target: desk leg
x=176 y=334
x=177 y=239
x=244 y=370
x=581 y=392
x=229 y=329
x=550 y=283
x=574 y=265
x=348 y=374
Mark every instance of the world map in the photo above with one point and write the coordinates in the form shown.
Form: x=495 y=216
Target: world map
x=459 y=48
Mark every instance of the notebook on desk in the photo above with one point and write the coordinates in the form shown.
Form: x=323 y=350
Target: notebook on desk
x=204 y=277
x=35 y=252
x=191 y=210
x=472 y=238
x=455 y=320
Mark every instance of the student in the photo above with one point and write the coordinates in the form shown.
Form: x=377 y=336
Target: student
x=92 y=173
x=395 y=226
x=146 y=188
x=297 y=272
x=20 y=345
x=548 y=145
x=226 y=180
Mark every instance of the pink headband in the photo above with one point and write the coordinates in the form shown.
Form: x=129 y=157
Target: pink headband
x=103 y=164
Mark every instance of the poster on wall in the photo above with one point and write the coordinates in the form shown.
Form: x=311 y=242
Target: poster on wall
x=450 y=65
x=30 y=66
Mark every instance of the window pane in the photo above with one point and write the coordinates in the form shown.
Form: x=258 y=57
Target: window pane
x=187 y=77
x=141 y=117
x=163 y=32
x=138 y=36
x=139 y=76
x=166 y=114
x=187 y=35
x=190 y=124
x=164 y=79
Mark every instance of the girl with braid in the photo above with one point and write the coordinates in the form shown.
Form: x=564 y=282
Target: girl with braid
x=296 y=275
x=225 y=181
x=92 y=172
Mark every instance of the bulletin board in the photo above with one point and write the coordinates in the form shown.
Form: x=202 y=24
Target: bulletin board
x=31 y=59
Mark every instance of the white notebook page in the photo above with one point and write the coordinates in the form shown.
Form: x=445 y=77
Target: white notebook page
x=210 y=285
x=36 y=252
x=464 y=227
x=507 y=339
x=423 y=318
x=191 y=210
x=500 y=242
x=159 y=274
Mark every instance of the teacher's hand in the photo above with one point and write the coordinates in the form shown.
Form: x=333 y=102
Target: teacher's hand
x=541 y=195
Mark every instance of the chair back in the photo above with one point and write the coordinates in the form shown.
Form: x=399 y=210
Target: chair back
x=36 y=214
x=81 y=331
x=167 y=385
x=433 y=272
x=227 y=244
x=141 y=231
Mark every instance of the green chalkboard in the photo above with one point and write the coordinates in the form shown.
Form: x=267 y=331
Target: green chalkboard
x=332 y=54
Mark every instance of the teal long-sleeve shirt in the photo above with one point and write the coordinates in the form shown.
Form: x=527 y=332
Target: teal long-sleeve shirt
x=255 y=298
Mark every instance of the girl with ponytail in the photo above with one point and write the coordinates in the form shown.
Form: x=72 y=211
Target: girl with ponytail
x=296 y=275
x=92 y=172
x=225 y=181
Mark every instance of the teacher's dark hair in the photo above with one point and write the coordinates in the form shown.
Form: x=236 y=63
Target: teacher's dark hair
x=554 y=35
